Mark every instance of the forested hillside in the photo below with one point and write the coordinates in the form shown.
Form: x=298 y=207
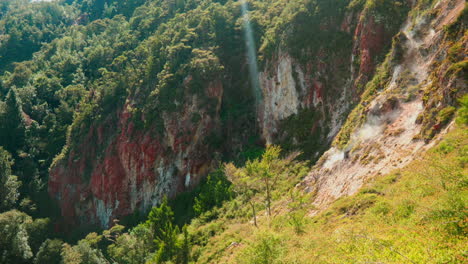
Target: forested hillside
x=222 y=131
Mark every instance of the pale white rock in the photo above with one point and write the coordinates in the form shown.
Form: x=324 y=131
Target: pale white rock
x=103 y=212
x=281 y=98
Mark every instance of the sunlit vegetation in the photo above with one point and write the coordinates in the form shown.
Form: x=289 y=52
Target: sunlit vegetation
x=413 y=215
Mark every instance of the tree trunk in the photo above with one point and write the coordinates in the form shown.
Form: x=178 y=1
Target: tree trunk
x=254 y=213
x=268 y=198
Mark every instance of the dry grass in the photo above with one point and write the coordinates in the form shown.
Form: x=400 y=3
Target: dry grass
x=414 y=215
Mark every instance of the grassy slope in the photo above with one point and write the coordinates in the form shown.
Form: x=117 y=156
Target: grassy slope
x=414 y=215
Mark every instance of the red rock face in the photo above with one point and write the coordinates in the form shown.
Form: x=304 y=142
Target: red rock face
x=118 y=169
x=371 y=38
x=320 y=84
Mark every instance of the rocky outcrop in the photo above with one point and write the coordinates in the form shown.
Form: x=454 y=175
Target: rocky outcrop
x=282 y=94
x=371 y=38
x=119 y=168
x=390 y=135
x=328 y=84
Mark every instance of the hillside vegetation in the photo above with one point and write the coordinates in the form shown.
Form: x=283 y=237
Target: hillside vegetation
x=413 y=215
x=95 y=92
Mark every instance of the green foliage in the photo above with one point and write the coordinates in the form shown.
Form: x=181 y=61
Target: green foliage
x=458 y=69
x=9 y=184
x=266 y=176
x=92 y=58
x=26 y=26
x=357 y=117
x=462 y=118
x=83 y=252
x=213 y=193
x=452 y=215
x=38 y=230
x=266 y=249
x=12 y=124
x=295 y=26
x=445 y=115
x=389 y=13
x=14 y=239
x=455 y=52
x=160 y=221
x=394 y=218
x=413 y=215
x=263 y=172
x=184 y=246
x=459 y=25
x=49 y=252
x=298 y=210
x=170 y=246
x=251 y=150
x=258 y=175
x=96 y=9
x=132 y=247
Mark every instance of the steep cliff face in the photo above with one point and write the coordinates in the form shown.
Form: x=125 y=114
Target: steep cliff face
x=405 y=108
x=118 y=168
x=314 y=97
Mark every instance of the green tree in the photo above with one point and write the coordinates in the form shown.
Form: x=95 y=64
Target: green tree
x=213 y=192
x=462 y=117
x=263 y=172
x=266 y=249
x=12 y=124
x=20 y=76
x=171 y=245
x=160 y=220
x=9 y=184
x=133 y=247
x=86 y=251
x=25 y=26
x=183 y=255
x=298 y=210
x=243 y=185
x=14 y=246
x=167 y=249
x=49 y=252
x=260 y=176
x=38 y=231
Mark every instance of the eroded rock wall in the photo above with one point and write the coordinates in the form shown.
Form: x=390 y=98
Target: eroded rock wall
x=120 y=168
x=329 y=83
x=399 y=120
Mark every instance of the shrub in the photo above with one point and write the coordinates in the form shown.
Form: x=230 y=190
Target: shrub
x=266 y=249
x=213 y=192
x=49 y=252
x=463 y=111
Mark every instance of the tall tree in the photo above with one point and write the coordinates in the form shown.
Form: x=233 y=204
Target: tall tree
x=49 y=252
x=12 y=124
x=9 y=184
x=259 y=176
x=14 y=246
x=161 y=222
x=243 y=185
x=263 y=171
